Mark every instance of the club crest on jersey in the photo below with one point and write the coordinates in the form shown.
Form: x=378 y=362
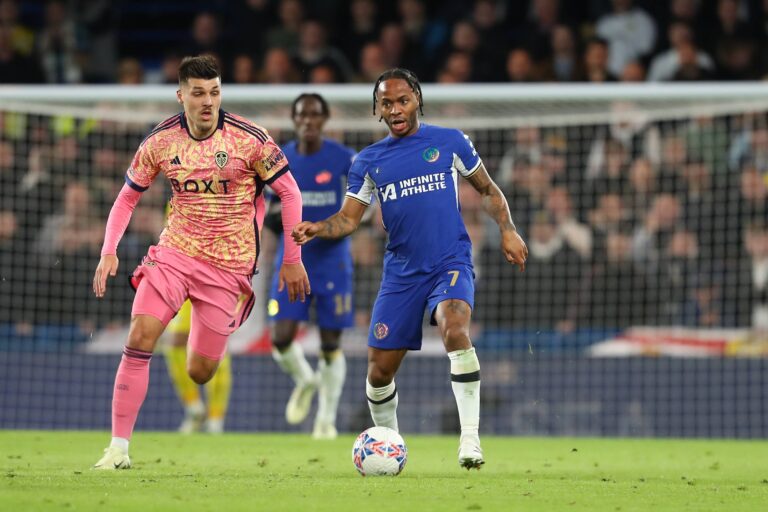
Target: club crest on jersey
x=380 y=330
x=431 y=155
x=221 y=158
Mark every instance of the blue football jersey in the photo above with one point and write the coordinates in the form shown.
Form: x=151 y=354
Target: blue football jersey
x=322 y=178
x=415 y=179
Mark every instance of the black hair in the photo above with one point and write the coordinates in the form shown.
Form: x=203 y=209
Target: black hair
x=313 y=96
x=403 y=74
x=201 y=66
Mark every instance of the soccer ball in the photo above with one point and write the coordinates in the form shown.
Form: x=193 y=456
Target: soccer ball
x=379 y=451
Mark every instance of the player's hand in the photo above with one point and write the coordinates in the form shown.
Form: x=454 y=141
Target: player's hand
x=107 y=267
x=514 y=248
x=294 y=276
x=305 y=231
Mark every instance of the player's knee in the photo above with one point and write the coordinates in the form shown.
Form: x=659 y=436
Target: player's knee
x=379 y=377
x=455 y=335
x=201 y=371
x=200 y=374
x=281 y=343
x=141 y=338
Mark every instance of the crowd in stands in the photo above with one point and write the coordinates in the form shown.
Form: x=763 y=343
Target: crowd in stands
x=447 y=41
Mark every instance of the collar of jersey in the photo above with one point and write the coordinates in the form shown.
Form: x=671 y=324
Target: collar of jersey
x=219 y=126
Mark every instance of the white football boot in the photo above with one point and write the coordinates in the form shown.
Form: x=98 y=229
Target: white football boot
x=470 y=453
x=114 y=458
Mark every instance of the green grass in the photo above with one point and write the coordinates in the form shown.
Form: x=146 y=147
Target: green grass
x=42 y=470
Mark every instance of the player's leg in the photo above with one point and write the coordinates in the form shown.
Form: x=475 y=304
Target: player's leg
x=332 y=371
x=452 y=314
x=334 y=313
x=380 y=385
x=395 y=328
x=132 y=379
x=187 y=390
x=218 y=391
x=290 y=357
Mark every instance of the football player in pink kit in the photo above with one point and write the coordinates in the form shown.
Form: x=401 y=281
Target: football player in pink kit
x=217 y=164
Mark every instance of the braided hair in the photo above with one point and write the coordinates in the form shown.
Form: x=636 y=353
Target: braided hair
x=311 y=95
x=403 y=74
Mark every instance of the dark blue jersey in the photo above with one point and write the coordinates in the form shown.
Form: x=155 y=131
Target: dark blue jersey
x=415 y=180
x=322 y=178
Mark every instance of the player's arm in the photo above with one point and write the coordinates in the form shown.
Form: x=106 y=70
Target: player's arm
x=292 y=274
x=340 y=224
x=495 y=205
x=117 y=223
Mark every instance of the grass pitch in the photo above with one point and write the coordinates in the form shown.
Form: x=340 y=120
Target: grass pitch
x=42 y=470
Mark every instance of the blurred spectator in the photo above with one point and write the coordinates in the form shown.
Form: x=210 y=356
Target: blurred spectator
x=98 y=34
x=536 y=34
x=520 y=66
x=574 y=233
x=652 y=236
x=57 y=46
x=610 y=215
x=207 y=38
x=15 y=289
x=15 y=68
x=750 y=147
x=666 y=65
x=543 y=296
x=362 y=29
x=689 y=69
x=392 y=41
x=130 y=72
x=169 y=68
x=747 y=296
x=729 y=29
x=286 y=34
x=458 y=66
x=22 y=37
x=278 y=68
x=243 y=69
x=630 y=32
x=426 y=34
x=596 y=63
x=634 y=71
x=562 y=64
x=314 y=51
x=323 y=74
x=615 y=292
x=642 y=187
x=372 y=63
x=247 y=21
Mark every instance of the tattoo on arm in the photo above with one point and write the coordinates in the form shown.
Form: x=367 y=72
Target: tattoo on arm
x=494 y=202
x=336 y=226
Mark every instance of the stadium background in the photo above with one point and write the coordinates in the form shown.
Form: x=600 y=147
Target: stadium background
x=643 y=310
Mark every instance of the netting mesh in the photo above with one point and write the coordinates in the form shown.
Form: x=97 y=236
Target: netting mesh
x=646 y=223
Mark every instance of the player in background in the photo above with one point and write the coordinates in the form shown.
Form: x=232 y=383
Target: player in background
x=428 y=262
x=217 y=164
x=320 y=167
x=197 y=417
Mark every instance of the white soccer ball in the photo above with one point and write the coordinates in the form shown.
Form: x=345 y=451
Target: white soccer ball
x=379 y=451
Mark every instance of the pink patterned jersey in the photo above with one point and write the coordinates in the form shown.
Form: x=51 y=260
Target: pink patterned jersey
x=217 y=182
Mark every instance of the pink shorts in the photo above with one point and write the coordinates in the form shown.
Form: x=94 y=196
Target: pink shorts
x=221 y=300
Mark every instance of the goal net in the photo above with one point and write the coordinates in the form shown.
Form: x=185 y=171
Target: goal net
x=643 y=309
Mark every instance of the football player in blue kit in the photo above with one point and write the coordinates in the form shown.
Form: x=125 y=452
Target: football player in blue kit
x=414 y=173
x=320 y=167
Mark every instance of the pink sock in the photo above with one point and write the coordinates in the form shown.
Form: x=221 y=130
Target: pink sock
x=131 y=384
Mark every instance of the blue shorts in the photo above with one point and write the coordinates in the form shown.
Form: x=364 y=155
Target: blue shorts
x=398 y=314
x=332 y=296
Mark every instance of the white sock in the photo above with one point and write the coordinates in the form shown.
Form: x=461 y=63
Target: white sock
x=195 y=408
x=383 y=404
x=332 y=377
x=465 y=381
x=293 y=362
x=119 y=442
